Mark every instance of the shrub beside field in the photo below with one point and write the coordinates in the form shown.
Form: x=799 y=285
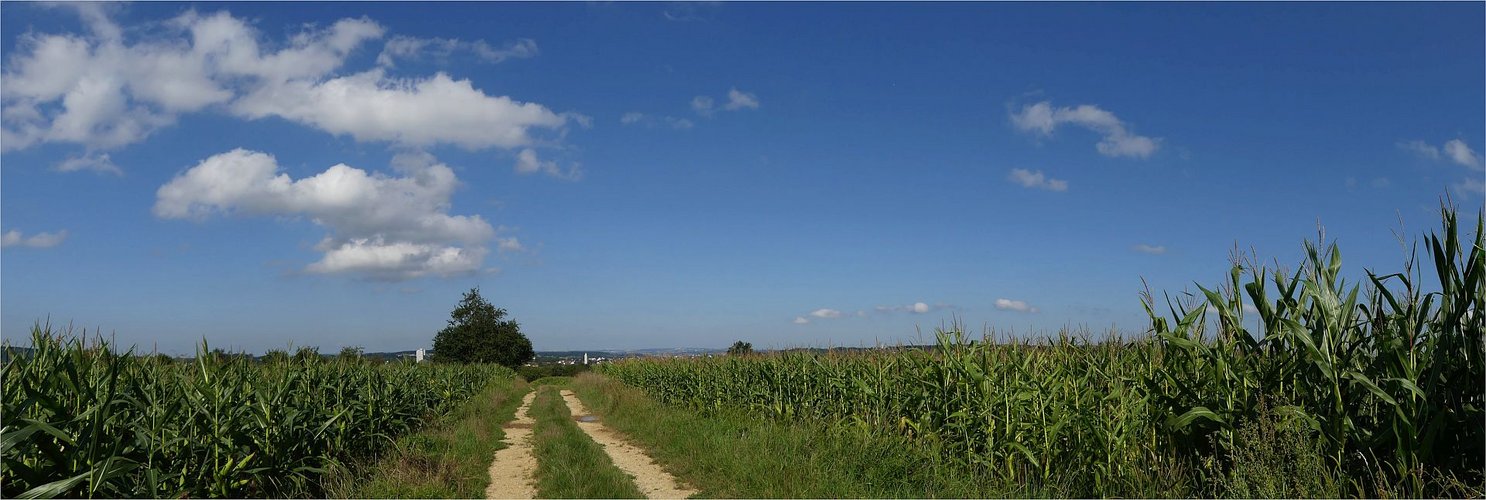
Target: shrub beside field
x=81 y=420
x=1371 y=391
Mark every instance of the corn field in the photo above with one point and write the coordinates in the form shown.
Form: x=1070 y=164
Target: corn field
x=81 y=420
x=1381 y=382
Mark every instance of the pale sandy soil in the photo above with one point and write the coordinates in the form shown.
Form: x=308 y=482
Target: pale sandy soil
x=513 y=473
x=650 y=478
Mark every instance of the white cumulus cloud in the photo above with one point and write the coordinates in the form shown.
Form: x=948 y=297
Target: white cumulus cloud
x=104 y=90
x=1042 y=118
x=370 y=106
x=800 y=320
x=1036 y=180
x=14 y=238
x=1014 y=305
x=98 y=90
x=383 y=227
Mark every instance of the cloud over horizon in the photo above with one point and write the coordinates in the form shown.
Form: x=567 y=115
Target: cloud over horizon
x=14 y=238
x=1150 y=249
x=826 y=313
x=1014 y=305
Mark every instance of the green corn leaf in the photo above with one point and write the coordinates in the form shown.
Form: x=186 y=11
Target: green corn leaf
x=55 y=488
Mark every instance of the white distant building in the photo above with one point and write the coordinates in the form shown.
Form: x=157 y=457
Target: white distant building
x=585 y=358
x=419 y=355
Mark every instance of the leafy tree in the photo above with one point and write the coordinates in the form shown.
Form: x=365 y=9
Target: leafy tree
x=351 y=352
x=276 y=356
x=307 y=354
x=740 y=348
x=223 y=356
x=478 y=333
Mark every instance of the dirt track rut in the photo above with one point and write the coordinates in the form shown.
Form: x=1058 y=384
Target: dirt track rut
x=650 y=478
x=513 y=473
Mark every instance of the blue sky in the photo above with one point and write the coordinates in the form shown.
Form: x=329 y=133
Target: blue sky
x=633 y=175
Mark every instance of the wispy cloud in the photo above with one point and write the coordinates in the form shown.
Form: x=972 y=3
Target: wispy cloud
x=1455 y=151
x=511 y=244
x=1462 y=154
x=690 y=11
x=14 y=238
x=737 y=100
x=915 y=308
x=649 y=121
x=99 y=163
x=1150 y=249
x=1471 y=185
x=1036 y=180
x=528 y=163
x=1421 y=148
x=1042 y=119
x=740 y=100
x=826 y=313
x=1014 y=305
x=1376 y=183
x=441 y=49
x=703 y=105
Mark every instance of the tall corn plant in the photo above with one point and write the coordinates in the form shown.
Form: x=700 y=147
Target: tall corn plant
x=81 y=420
x=1393 y=376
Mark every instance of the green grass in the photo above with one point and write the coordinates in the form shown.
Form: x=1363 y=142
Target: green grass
x=727 y=453
x=569 y=463
x=556 y=381
x=450 y=459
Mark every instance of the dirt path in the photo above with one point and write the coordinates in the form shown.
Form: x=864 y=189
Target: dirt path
x=513 y=473
x=650 y=478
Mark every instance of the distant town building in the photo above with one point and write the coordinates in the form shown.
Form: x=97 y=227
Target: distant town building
x=419 y=355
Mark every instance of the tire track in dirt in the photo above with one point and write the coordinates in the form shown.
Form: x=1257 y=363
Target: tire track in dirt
x=513 y=472
x=650 y=478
